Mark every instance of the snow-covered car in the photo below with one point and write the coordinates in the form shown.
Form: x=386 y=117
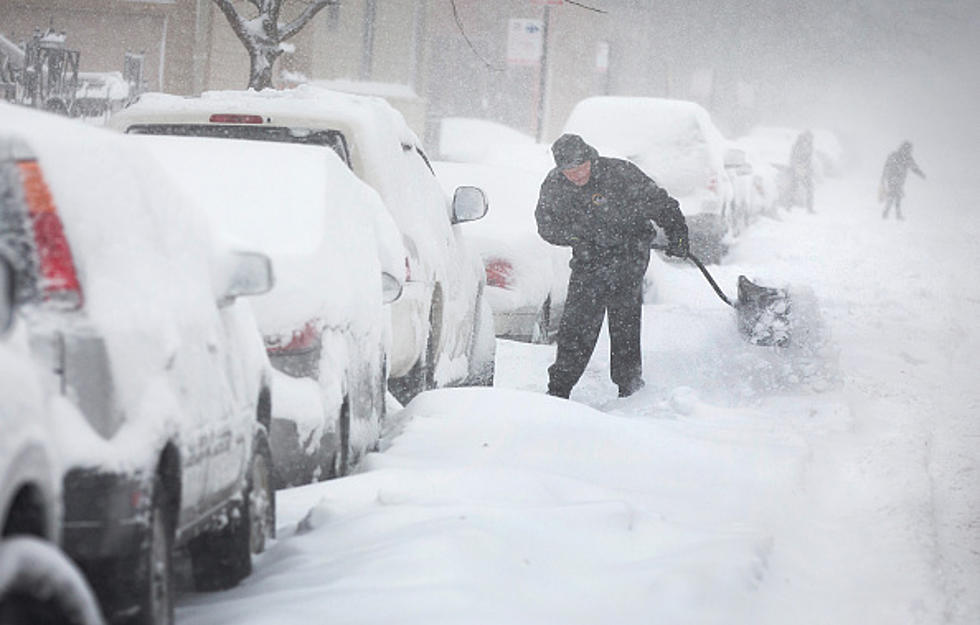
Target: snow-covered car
x=442 y=326
x=335 y=251
x=675 y=143
x=38 y=583
x=756 y=183
x=135 y=316
x=527 y=278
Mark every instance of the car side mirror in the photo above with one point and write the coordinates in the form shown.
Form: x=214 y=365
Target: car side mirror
x=391 y=288
x=250 y=274
x=7 y=281
x=469 y=204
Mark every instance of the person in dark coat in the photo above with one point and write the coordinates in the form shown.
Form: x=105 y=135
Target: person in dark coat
x=604 y=209
x=892 y=187
x=801 y=170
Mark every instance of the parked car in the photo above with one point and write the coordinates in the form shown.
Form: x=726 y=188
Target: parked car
x=758 y=187
x=527 y=278
x=675 y=143
x=38 y=583
x=134 y=314
x=442 y=325
x=325 y=324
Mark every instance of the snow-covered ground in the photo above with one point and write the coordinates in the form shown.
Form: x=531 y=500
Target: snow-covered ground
x=837 y=482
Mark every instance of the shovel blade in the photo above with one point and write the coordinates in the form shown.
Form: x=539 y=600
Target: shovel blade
x=764 y=314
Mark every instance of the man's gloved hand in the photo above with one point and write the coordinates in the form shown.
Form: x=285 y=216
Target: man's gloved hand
x=678 y=247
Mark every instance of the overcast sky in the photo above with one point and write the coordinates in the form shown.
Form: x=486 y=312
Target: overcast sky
x=881 y=70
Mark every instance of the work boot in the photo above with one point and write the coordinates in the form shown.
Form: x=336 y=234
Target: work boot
x=558 y=392
x=627 y=389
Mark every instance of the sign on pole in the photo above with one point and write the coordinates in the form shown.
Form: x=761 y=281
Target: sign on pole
x=525 y=41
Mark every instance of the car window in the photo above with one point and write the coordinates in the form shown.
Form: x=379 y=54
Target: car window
x=334 y=139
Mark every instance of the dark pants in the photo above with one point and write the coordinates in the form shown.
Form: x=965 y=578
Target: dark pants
x=801 y=191
x=591 y=294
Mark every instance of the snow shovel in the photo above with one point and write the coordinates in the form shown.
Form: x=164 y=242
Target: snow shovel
x=763 y=313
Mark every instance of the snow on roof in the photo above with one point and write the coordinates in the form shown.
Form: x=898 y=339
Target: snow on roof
x=469 y=140
x=367 y=87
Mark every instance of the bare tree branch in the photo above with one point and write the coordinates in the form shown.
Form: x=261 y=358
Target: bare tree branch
x=308 y=13
x=236 y=21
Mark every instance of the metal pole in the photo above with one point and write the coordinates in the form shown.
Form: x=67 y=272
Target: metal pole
x=543 y=77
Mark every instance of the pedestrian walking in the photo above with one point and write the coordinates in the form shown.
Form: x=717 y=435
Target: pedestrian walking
x=605 y=210
x=892 y=186
x=801 y=171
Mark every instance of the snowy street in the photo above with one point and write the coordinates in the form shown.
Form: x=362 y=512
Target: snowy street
x=837 y=482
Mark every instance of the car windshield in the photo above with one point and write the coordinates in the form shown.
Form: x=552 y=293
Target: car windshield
x=333 y=139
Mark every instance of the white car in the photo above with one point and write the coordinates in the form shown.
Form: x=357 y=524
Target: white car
x=135 y=316
x=675 y=143
x=442 y=325
x=38 y=583
x=335 y=251
x=527 y=278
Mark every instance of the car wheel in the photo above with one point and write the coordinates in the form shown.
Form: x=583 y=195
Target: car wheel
x=419 y=378
x=261 y=498
x=222 y=557
x=39 y=584
x=154 y=565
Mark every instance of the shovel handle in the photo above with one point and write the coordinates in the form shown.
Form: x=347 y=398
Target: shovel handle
x=694 y=259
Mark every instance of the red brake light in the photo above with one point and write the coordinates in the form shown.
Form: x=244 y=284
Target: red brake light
x=59 y=280
x=302 y=340
x=234 y=118
x=499 y=273
x=713 y=184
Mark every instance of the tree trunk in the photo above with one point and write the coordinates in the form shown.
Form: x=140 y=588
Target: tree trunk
x=260 y=73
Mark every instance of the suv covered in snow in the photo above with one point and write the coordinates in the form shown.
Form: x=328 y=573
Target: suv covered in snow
x=133 y=314
x=442 y=325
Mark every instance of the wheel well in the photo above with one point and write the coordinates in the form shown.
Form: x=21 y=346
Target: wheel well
x=27 y=514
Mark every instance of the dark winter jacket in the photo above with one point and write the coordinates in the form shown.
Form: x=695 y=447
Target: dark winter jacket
x=607 y=221
x=897 y=167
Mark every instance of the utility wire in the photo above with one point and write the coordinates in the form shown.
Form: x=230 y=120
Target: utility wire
x=579 y=4
x=459 y=24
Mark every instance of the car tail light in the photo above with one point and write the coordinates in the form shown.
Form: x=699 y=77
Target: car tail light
x=713 y=184
x=499 y=273
x=59 y=281
x=235 y=118
x=305 y=339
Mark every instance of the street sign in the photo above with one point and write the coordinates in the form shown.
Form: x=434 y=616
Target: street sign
x=525 y=42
